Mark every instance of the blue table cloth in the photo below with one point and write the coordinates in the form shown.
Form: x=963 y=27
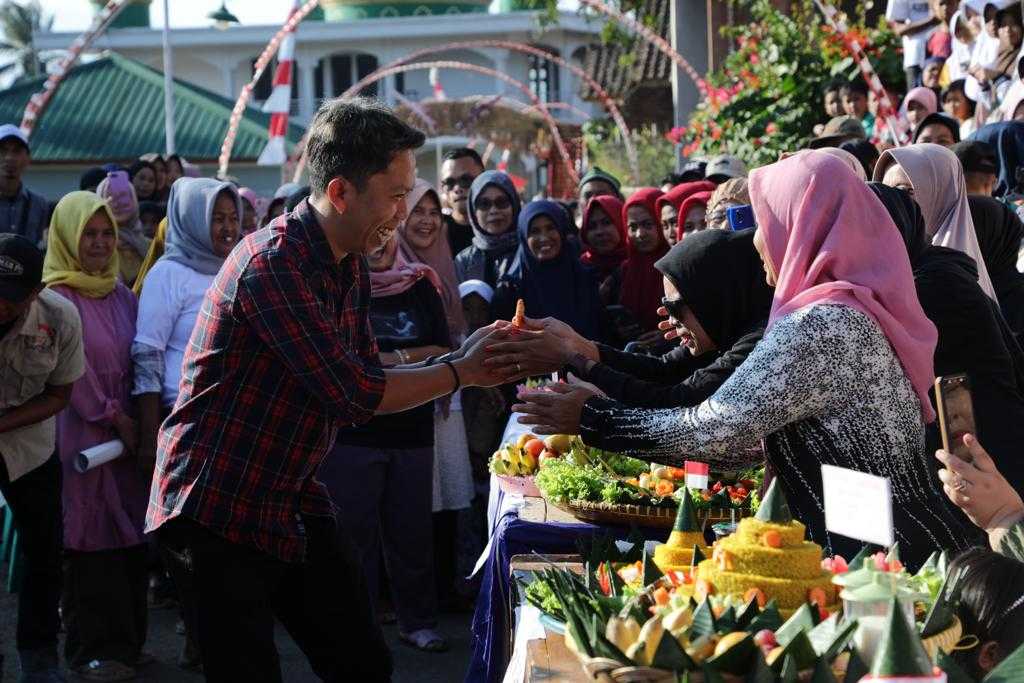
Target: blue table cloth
x=513 y=536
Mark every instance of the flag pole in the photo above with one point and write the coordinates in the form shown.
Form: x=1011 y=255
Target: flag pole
x=168 y=84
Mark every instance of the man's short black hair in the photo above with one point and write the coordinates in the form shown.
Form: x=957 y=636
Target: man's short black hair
x=855 y=85
x=355 y=139
x=464 y=153
x=835 y=85
x=672 y=179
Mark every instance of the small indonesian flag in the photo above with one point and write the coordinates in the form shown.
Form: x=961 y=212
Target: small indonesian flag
x=696 y=475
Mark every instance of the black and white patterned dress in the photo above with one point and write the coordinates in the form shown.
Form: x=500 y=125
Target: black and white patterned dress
x=823 y=386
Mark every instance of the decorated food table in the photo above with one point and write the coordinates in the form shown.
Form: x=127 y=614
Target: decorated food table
x=583 y=492
x=760 y=604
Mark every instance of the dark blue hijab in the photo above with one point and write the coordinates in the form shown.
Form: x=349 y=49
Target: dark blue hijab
x=562 y=288
x=1007 y=137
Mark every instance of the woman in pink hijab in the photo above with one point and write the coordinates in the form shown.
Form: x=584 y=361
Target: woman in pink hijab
x=841 y=376
x=918 y=103
x=423 y=239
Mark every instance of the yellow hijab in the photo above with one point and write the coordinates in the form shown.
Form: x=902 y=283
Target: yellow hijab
x=61 y=266
x=156 y=250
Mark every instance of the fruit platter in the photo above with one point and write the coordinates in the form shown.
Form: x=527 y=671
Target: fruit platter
x=608 y=488
x=516 y=463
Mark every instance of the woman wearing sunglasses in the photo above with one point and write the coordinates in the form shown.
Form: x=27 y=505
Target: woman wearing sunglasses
x=717 y=304
x=493 y=212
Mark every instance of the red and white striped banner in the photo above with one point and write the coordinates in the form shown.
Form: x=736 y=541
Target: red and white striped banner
x=886 y=109
x=279 y=104
x=435 y=84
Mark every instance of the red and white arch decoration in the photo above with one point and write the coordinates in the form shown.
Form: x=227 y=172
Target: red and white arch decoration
x=38 y=102
x=464 y=66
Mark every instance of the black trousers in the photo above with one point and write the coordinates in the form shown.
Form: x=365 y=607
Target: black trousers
x=35 y=501
x=232 y=593
x=105 y=610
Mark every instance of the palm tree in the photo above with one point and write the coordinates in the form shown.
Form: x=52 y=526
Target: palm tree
x=18 y=24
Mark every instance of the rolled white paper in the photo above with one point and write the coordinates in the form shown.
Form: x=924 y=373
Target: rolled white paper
x=99 y=455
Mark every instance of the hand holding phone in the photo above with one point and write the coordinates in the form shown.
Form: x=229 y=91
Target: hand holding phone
x=740 y=217
x=956 y=414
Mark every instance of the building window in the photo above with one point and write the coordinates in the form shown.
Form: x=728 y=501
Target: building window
x=342 y=72
x=544 y=79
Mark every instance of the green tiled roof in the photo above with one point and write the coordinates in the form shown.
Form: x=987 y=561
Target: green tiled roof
x=113 y=109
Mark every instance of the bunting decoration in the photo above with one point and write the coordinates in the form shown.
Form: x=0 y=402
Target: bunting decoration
x=279 y=104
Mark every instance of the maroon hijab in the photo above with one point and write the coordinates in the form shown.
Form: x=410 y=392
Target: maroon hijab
x=642 y=288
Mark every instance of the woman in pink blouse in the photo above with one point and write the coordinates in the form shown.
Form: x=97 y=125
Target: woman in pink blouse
x=105 y=581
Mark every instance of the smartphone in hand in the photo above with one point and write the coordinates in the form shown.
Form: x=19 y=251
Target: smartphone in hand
x=956 y=413
x=740 y=217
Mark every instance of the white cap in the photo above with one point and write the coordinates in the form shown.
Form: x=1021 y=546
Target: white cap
x=725 y=165
x=9 y=130
x=476 y=287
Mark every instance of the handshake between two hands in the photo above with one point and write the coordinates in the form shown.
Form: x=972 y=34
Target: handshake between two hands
x=506 y=352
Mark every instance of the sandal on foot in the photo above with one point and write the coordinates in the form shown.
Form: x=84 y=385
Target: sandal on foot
x=105 y=670
x=426 y=639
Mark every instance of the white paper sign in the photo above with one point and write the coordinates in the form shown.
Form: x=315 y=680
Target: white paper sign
x=98 y=455
x=857 y=505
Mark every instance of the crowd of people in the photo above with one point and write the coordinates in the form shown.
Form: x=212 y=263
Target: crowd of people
x=307 y=387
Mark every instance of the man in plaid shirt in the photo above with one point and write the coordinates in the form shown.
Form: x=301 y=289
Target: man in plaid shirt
x=283 y=355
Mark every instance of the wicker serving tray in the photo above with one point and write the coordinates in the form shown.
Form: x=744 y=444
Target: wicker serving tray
x=642 y=515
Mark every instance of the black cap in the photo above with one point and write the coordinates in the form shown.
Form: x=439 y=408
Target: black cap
x=21 y=268
x=692 y=170
x=976 y=156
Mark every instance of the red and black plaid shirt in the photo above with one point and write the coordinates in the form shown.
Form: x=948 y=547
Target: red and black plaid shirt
x=281 y=356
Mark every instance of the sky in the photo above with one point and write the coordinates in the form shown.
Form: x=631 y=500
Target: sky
x=75 y=15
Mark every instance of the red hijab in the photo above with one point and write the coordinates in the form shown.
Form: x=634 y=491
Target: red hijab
x=831 y=241
x=604 y=263
x=642 y=288
x=679 y=194
x=697 y=199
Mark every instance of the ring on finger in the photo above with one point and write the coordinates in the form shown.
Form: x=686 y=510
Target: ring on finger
x=961 y=485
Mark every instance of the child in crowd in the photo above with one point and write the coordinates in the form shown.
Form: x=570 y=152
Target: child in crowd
x=855 y=103
x=913 y=21
x=940 y=42
x=991 y=608
x=957 y=104
x=834 y=99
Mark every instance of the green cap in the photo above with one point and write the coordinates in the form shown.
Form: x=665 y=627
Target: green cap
x=686 y=517
x=597 y=173
x=901 y=652
x=774 y=506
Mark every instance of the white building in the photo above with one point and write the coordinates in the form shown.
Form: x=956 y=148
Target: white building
x=351 y=38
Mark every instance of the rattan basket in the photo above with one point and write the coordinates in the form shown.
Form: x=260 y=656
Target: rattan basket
x=642 y=515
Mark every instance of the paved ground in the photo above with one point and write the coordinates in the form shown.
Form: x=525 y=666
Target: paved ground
x=164 y=644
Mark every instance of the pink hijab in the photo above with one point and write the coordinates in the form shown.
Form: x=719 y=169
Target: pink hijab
x=402 y=274
x=439 y=257
x=832 y=241
x=926 y=97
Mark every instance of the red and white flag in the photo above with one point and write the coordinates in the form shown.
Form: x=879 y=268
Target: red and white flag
x=279 y=104
x=696 y=475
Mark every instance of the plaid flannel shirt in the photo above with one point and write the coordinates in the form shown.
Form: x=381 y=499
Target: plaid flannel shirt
x=282 y=355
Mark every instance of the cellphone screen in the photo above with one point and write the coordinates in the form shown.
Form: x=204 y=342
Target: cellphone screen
x=956 y=414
